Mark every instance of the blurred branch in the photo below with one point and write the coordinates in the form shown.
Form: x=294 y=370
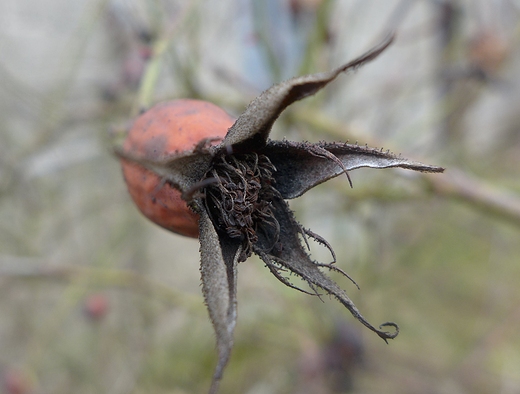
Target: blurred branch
x=156 y=62
x=481 y=195
x=151 y=75
x=99 y=277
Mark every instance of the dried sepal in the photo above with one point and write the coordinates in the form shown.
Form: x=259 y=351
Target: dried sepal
x=219 y=259
x=181 y=170
x=290 y=254
x=300 y=168
x=252 y=128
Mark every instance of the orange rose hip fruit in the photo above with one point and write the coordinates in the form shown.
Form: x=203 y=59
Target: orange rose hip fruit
x=167 y=128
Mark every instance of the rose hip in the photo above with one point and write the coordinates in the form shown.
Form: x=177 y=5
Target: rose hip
x=167 y=128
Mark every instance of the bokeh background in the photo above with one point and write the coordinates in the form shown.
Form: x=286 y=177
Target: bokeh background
x=95 y=299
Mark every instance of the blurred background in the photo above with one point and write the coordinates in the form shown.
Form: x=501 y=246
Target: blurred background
x=96 y=299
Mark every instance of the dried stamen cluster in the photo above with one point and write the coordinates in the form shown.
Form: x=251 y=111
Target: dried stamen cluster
x=239 y=197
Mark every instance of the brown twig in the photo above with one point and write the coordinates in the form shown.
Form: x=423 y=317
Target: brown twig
x=478 y=193
x=100 y=277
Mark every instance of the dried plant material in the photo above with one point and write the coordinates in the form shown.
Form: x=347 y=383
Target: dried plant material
x=239 y=188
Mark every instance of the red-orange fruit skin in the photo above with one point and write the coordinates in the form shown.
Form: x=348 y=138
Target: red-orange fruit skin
x=167 y=128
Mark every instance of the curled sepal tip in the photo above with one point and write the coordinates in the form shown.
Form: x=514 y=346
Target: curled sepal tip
x=388 y=335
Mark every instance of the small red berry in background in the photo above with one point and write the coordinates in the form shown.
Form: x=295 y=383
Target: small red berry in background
x=488 y=51
x=167 y=128
x=15 y=381
x=96 y=306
